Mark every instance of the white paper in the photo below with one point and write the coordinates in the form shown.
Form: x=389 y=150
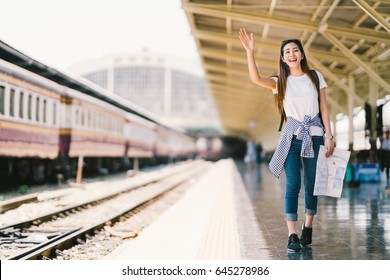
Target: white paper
x=330 y=172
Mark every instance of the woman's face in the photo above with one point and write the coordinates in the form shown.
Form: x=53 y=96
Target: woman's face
x=292 y=56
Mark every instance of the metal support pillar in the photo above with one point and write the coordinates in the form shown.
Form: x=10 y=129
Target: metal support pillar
x=351 y=84
x=80 y=170
x=136 y=164
x=372 y=98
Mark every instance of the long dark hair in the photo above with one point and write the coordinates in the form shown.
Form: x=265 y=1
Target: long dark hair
x=284 y=72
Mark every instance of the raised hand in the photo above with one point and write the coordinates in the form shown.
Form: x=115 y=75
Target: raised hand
x=246 y=40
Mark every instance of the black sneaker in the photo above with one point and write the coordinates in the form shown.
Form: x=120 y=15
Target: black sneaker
x=293 y=243
x=307 y=253
x=305 y=239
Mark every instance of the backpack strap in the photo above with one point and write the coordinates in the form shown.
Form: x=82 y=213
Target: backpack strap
x=317 y=84
x=283 y=117
x=316 y=80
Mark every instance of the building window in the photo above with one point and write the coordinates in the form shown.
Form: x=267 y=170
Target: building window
x=142 y=85
x=99 y=78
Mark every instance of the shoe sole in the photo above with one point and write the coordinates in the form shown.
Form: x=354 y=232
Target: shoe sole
x=293 y=250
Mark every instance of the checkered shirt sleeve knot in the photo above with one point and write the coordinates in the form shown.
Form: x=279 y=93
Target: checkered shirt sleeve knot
x=278 y=159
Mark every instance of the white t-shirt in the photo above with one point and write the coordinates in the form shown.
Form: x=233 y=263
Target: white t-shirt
x=301 y=98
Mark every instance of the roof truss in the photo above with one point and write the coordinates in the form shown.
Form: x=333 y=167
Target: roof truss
x=346 y=40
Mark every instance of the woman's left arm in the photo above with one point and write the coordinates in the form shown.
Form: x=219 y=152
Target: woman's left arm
x=329 y=144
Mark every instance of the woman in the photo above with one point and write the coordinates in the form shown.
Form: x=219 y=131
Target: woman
x=307 y=116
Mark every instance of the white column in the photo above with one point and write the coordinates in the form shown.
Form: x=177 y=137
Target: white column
x=110 y=77
x=167 y=91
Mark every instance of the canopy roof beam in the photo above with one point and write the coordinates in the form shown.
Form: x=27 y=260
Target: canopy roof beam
x=300 y=25
x=373 y=14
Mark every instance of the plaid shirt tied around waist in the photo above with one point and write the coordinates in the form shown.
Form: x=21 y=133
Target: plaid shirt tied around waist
x=277 y=162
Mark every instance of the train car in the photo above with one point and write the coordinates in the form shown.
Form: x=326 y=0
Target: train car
x=29 y=123
x=187 y=147
x=161 y=151
x=173 y=145
x=141 y=137
x=95 y=127
x=209 y=147
x=49 y=119
x=180 y=146
x=92 y=129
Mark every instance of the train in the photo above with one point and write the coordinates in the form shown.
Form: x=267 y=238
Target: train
x=49 y=119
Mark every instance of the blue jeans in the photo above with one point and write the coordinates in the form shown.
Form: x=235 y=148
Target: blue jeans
x=292 y=169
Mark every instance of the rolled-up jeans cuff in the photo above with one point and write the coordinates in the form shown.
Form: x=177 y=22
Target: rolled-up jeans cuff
x=310 y=212
x=291 y=216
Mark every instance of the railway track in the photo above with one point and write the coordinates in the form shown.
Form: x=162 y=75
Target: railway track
x=48 y=235
x=16 y=202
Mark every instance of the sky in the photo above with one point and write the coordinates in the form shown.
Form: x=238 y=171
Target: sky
x=62 y=33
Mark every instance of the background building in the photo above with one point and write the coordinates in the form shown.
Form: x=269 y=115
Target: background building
x=170 y=87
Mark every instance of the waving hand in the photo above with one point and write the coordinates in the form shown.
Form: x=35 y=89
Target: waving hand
x=247 y=40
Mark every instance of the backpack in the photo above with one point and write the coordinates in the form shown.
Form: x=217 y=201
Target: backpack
x=283 y=117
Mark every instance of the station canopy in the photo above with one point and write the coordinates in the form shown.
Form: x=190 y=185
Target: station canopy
x=347 y=41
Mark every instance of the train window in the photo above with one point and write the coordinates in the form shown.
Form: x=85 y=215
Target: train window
x=89 y=119
x=82 y=118
x=21 y=104
x=92 y=119
x=86 y=113
x=2 y=99
x=29 y=107
x=12 y=102
x=76 y=119
x=54 y=113
x=44 y=110
x=95 y=120
x=37 y=109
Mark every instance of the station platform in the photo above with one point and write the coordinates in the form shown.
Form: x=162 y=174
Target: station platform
x=236 y=212
x=213 y=220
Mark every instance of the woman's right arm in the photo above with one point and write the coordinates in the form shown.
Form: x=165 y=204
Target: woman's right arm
x=249 y=45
